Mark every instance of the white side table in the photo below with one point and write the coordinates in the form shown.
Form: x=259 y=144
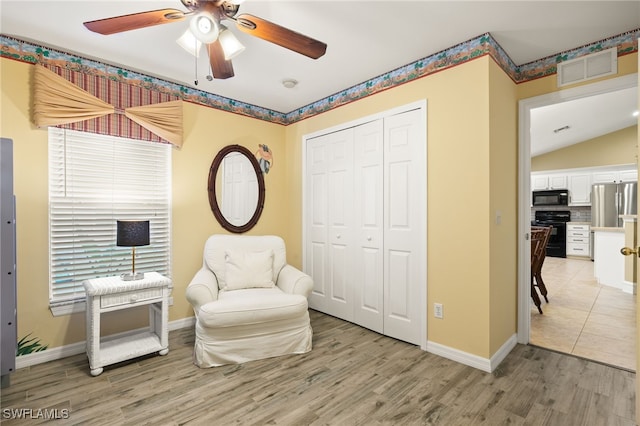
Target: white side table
x=112 y=294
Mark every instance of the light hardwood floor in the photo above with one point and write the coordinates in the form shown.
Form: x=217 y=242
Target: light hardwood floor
x=585 y=318
x=351 y=377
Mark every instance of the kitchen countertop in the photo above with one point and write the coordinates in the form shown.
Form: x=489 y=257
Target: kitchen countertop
x=606 y=229
x=578 y=223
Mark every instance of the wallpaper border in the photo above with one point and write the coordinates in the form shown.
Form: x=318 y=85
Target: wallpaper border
x=477 y=47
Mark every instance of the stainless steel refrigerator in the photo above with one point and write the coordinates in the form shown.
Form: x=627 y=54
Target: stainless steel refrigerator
x=610 y=200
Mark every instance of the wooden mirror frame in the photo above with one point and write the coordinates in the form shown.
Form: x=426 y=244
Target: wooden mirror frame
x=211 y=188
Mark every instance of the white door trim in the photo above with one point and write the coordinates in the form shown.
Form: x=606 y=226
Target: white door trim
x=421 y=105
x=524 y=185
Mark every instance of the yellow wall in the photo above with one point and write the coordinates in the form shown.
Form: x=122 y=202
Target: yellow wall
x=503 y=196
x=458 y=201
x=472 y=146
x=206 y=131
x=611 y=149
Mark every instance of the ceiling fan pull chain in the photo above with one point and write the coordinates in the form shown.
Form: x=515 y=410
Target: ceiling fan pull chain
x=196 y=67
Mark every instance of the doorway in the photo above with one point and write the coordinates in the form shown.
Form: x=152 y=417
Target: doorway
x=526 y=107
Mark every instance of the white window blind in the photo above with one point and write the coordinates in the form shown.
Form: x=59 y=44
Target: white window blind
x=95 y=180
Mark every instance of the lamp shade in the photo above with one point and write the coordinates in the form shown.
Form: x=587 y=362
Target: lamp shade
x=231 y=46
x=190 y=43
x=133 y=233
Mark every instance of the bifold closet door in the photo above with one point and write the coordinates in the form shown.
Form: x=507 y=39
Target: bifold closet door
x=368 y=218
x=404 y=234
x=365 y=210
x=330 y=225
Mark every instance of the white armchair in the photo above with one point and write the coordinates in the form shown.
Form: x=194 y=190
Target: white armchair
x=249 y=303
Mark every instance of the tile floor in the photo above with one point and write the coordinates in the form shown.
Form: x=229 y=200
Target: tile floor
x=585 y=318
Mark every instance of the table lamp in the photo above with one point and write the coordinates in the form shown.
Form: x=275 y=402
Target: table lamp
x=133 y=233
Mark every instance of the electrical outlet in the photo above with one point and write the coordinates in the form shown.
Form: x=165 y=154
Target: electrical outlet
x=437 y=310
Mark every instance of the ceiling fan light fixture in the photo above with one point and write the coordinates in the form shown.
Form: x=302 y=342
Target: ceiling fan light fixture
x=190 y=43
x=236 y=2
x=204 y=27
x=230 y=43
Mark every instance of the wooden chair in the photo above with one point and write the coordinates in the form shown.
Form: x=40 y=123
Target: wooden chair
x=537 y=269
x=536 y=242
x=540 y=236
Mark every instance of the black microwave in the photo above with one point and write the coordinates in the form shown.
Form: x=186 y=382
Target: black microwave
x=554 y=197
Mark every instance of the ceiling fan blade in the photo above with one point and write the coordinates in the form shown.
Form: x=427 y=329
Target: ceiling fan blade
x=281 y=36
x=220 y=67
x=118 y=24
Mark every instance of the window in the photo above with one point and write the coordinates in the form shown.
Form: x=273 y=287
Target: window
x=95 y=180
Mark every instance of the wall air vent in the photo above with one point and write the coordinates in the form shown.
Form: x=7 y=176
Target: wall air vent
x=588 y=67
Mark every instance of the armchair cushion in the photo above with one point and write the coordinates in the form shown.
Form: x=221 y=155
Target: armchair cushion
x=248 y=269
x=251 y=306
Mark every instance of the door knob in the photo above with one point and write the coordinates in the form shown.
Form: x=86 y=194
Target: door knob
x=629 y=251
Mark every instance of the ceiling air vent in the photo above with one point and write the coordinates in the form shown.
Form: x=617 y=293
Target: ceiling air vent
x=588 y=67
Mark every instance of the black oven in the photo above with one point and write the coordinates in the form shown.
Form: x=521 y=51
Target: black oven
x=554 y=197
x=557 y=246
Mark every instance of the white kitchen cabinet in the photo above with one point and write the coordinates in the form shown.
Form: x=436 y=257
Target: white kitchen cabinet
x=548 y=181
x=578 y=236
x=539 y=182
x=605 y=177
x=629 y=175
x=580 y=189
x=579 y=181
x=558 y=181
x=616 y=175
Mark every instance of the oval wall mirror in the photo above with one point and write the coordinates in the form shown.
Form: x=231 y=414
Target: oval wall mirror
x=236 y=189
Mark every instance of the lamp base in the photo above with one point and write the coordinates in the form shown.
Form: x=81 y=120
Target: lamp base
x=131 y=276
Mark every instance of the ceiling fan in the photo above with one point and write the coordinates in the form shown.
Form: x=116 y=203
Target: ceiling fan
x=207 y=29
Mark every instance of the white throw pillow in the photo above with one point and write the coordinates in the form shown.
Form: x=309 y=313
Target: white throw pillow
x=248 y=269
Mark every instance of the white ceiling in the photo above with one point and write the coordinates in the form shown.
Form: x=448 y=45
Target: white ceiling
x=365 y=38
x=563 y=124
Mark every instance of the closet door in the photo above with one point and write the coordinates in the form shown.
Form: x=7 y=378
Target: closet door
x=317 y=251
x=404 y=257
x=369 y=231
x=330 y=230
x=340 y=205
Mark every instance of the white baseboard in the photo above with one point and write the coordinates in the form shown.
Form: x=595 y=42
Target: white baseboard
x=80 y=347
x=629 y=287
x=485 y=364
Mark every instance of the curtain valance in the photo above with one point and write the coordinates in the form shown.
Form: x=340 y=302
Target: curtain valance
x=57 y=101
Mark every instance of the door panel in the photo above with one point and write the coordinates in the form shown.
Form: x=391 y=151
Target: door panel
x=403 y=227
x=399 y=294
x=399 y=195
x=317 y=253
x=330 y=230
x=340 y=229
x=317 y=268
x=368 y=210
